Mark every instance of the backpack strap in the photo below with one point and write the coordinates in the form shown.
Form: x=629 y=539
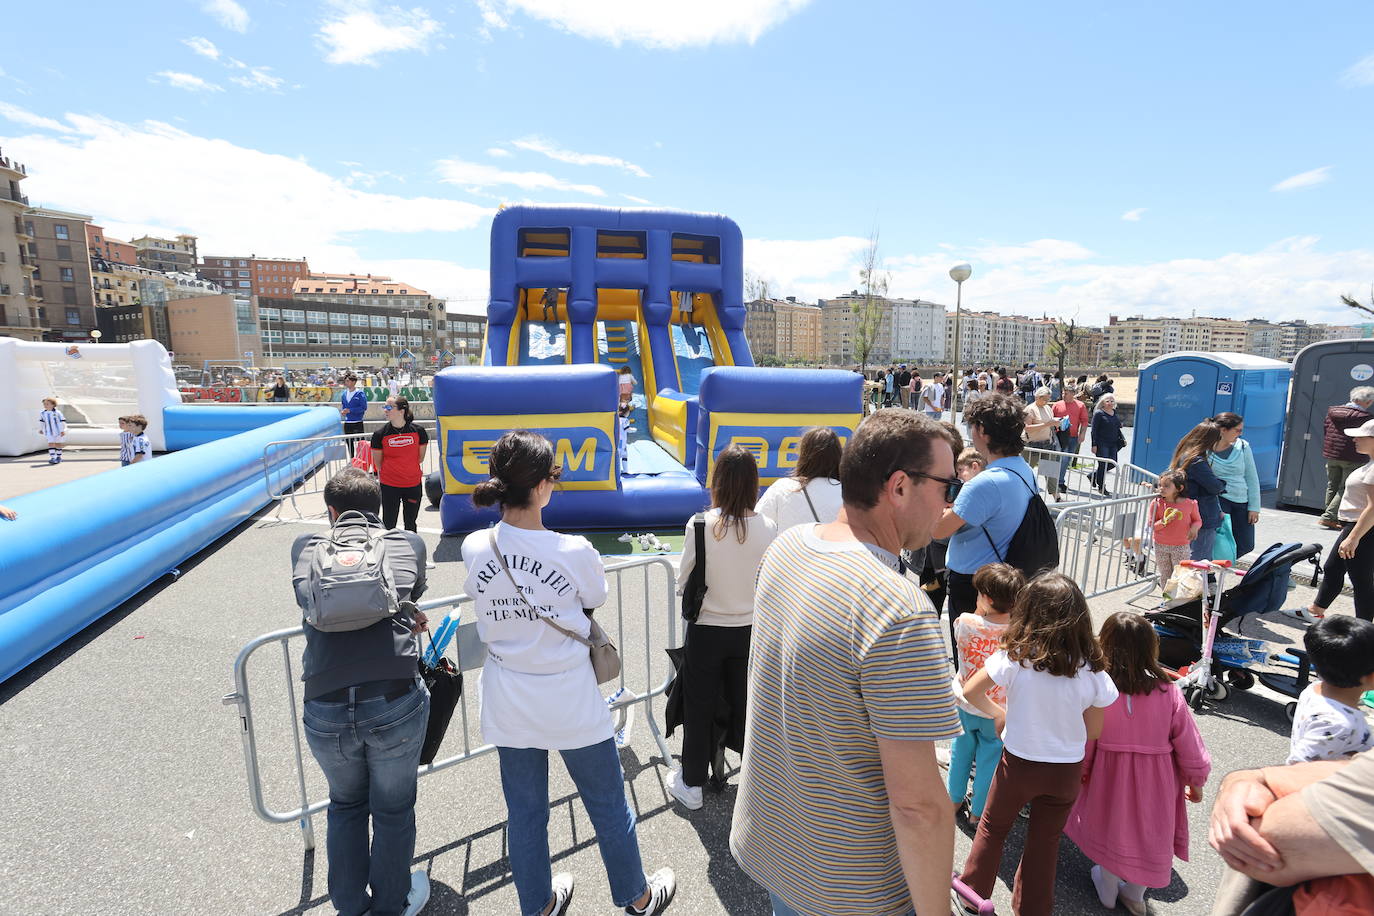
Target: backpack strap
x=525 y=601
x=991 y=543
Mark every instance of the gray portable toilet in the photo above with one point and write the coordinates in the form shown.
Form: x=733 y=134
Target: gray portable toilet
x=1323 y=374
x=1180 y=390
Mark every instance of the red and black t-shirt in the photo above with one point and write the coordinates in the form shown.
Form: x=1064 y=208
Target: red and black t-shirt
x=399 y=448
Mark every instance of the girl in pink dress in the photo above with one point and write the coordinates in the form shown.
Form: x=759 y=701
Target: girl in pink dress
x=1129 y=818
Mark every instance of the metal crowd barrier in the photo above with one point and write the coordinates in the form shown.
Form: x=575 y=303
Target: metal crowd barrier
x=293 y=468
x=1121 y=479
x=1107 y=544
x=638 y=676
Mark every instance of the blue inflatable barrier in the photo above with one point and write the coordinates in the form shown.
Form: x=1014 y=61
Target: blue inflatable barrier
x=82 y=548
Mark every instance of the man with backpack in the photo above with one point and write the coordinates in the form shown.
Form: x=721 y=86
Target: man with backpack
x=366 y=708
x=998 y=516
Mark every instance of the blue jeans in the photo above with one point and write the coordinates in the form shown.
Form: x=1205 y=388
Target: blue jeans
x=780 y=907
x=595 y=770
x=369 y=751
x=1202 y=545
x=1241 y=529
x=979 y=745
x=1069 y=446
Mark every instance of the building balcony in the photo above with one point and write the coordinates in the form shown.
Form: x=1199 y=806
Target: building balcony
x=14 y=197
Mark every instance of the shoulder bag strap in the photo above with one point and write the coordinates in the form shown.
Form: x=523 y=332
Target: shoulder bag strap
x=810 y=504
x=525 y=601
x=699 y=524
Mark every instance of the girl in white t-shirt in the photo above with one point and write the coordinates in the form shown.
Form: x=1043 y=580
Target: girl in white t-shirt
x=812 y=494
x=1057 y=690
x=717 y=664
x=538 y=690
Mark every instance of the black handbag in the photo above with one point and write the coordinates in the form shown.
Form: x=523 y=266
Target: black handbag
x=445 y=683
x=694 y=593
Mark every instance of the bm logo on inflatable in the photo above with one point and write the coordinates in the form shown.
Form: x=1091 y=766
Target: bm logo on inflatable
x=775 y=448
x=586 y=453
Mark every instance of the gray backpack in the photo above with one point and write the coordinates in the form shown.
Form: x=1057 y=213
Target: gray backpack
x=349 y=587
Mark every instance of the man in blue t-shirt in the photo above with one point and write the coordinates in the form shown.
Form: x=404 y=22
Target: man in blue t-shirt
x=353 y=406
x=991 y=505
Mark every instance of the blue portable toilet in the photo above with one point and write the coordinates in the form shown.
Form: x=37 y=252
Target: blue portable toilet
x=1180 y=390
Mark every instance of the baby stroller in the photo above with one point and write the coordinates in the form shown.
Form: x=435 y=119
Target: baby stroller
x=1220 y=661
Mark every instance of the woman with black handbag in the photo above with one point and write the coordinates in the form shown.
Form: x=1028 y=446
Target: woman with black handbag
x=539 y=690
x=720 y=619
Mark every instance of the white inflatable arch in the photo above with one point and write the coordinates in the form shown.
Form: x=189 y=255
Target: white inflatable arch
x=95 y=384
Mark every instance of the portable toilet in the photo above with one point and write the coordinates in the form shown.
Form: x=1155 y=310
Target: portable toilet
x=1323 y=376
x=1180 y=390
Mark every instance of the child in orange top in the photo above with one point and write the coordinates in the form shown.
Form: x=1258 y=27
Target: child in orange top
x=1177 y=522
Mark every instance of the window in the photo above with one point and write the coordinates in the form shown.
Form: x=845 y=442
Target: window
x=246 y=284
x=338 y=318
x=295 y=315
x=223 y=262
x=317 y=317
x=243 y=273
x=378 y=321
x=60 y=231
x=397 y=321
x=74 y=315
x=426 y=324
x=413 y=324
x=243 y=264
x=67 y=275
x=272 y=336
x=333 y=289
x=379 y=340
x=398 y=341
x=338 y=338
x=358 y=321
x=64 y=252
x=294 y=337
x=318 y=337
x=269 y=313
x=359 y=340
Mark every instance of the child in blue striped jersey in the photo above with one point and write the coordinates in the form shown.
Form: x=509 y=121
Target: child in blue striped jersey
x=53 y=425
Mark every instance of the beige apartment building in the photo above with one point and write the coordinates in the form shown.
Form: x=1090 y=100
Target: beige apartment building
x=797 y=330
x=761 y=328
x=21 y=315
x=993 y=339
x=176 y=255
x=221 y=327
x=839 y=329
x=63 y=275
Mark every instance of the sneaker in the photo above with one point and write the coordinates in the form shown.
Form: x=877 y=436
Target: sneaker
x=419 y=892
x=626 y=538
x=689 y=796
x=1325 y=523
x=1304 y=615
x=662 y=887
x=1107 y=891
x=562 y=893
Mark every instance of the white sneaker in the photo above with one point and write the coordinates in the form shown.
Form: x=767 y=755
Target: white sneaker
x=563 y=887
x=689 y=796
x=419 y=892
x=1304 y=615
x=626 y=538
x=662 y=887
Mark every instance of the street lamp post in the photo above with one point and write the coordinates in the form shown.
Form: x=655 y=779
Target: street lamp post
x=958 y=273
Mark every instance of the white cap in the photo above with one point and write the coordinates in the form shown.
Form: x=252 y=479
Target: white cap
x=1362 y=431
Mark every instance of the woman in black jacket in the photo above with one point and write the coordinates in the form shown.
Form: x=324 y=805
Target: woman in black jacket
x=1108 y=440
x=1193 y=458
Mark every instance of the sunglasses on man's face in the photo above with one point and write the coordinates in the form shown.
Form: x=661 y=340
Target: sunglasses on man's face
x=952 y=484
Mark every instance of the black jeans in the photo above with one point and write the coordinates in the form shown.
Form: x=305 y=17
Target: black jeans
x=717 y=668
x=1359 y=568
x=352 y=429
x=401 y=498
x=1241 y=529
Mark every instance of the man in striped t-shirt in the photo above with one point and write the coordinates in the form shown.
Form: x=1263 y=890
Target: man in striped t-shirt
x=841 y=806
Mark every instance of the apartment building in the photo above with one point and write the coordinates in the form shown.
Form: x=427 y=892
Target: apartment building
x=839 y=329
x=1265 y=339
x=798 y=330
x=21 y=313
x=1139 y=339
x=62 y=278
x=918 y=331
x=221 y=327
x=462 y=339
x=109 y=249
x=257 y=276
x=761 y=327
x=176 y=255
x=990 y=338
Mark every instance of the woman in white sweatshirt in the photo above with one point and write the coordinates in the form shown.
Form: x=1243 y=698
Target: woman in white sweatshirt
x=718 y=641
x=812 y=493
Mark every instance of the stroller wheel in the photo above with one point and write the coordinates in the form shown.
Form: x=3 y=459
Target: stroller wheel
x=1218 y=692
x=1241 y=680
x=1194 y=697
x=1291 y=710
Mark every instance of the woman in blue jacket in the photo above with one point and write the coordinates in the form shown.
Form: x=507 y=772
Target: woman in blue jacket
x=1193 y=457
x=1107 y=441
x=1234 y=462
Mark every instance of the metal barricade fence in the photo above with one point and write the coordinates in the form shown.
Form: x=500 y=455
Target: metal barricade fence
x=1107 y=544
x=644 y=675
x=1119 y=478
x=293 y=468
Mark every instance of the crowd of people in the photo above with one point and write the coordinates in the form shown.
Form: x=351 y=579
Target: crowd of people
x=816 y=645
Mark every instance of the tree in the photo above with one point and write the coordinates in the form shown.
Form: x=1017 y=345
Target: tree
x=1061 y=342
x=756 y=287
x=868 y=307
x=1359 y=306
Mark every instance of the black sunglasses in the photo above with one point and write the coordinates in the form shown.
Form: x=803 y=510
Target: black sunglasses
x=952 y=484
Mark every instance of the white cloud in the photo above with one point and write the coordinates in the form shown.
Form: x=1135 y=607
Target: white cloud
x=188 y=81
x=631 y=197
x=202 y=46
x=477 y=175
x=313 y=214
x=228 y=14
x=1133 y=216
x=558 y=154
x=653 y=24
x=497 y=152
x=357 y=31
x=1293 y=278
x=259 y=78
x=1304 y=179
x=29 y=119
x=1360 y=74
x=492 y=19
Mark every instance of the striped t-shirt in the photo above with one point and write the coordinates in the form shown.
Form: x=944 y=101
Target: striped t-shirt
x=52 y=424
x=844 y=651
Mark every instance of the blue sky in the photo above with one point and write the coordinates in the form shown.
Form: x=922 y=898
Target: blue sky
x=1087 y=158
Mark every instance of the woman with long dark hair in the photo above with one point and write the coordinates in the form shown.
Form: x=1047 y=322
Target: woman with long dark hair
x=398 y=454
x=1233 y=461
x=1193 y=456
x=812 y=493
x=718 y=640
x=538 y=689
